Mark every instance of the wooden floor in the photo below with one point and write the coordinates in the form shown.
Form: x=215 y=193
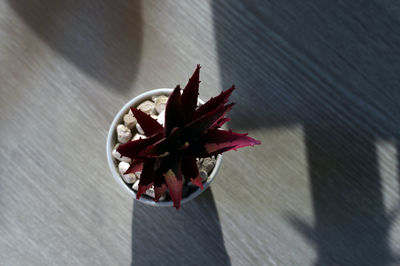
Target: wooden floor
x=318 y=82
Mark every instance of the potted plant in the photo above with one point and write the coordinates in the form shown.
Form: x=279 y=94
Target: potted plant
x=169 y=149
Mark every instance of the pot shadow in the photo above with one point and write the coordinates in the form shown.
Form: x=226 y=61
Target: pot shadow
x=332 y=67
x=190 y=236
x=102 y=38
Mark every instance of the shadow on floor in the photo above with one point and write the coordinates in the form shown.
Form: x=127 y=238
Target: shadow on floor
x=102 y=38
x=190 y=236
x=331 y=66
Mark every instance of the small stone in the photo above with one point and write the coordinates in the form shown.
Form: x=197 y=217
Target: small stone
x=149 y=192
x=203 y=174
x=118 y=156
x=199 y=162
x=130 y=121
x=208 y=165
x=160 y=103
x=161 y=118
x=136 y=186
x=124 y=134
x=154 y=97
x=138 y=136
x=147 y=107
x=139 y=129
x=128 y=178
x=154 y=117
x=137 y=174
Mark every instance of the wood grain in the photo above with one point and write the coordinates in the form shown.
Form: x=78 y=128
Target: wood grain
x=317 y=82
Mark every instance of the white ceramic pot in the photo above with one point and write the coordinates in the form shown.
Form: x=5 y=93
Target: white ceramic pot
x=113 y=163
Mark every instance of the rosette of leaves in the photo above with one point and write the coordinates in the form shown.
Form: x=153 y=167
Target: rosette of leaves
x=168 y=154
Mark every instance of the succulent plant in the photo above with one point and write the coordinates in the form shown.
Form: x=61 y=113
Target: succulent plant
x=168 y=154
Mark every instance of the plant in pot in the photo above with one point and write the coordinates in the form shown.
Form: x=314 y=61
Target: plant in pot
x=164 y=158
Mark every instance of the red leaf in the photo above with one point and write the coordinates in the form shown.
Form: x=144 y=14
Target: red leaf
x=197 y=182
x=214 y=103
x=135 y=166
x=174 y=115
x=189 y=167
x=132 y=149
x=146 y=178
x=190 y=95
x=203 y=123
x=198 y=150
x=172 y=172
x=221 y=122
x=159 y=191
x=166 y=145
x=158 y=149
x=142 y=189
x=149 y=125
x=216 y=140
x=174 y=184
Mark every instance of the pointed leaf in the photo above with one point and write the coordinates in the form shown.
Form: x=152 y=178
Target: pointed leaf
x=132 y=149
x=174 y=116
x=203 y=123
x=175 y=187
x=159 y=191
x=172 y=172
x=214 y=103
x=146 y=178
x=216 y=140
x=135 y=166
x=142 y=189
x=221 y=122
x=190 y=95
x=197 y=181
x=198 y=150
x=159 y=181
x=158 y=149
x=189 y=167
x=149 y=125
x=190 y=171
x=166 y=145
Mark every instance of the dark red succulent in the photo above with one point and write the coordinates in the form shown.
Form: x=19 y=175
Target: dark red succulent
x=169 y=154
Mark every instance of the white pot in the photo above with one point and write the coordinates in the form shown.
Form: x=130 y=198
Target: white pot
x=113 y=163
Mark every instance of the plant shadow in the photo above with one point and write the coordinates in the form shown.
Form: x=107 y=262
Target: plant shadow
x=332 y=67
x=101 y=38
x=190 y=236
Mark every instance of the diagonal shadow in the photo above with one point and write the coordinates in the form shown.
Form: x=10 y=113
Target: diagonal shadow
x=331 y=66
x=190 y=236
x=101 y=38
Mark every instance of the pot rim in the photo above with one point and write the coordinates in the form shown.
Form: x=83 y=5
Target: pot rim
x=111 y=141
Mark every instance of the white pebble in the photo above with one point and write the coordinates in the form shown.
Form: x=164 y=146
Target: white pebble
x=160 y=103
x=207 y=165
x=124 y=134
x=138 y=136
x=203 y=174
x=130 y=121
x=154 y=97
x=147 y=107
x=161 y=118
x=136 y=186
x=118 y=156
x=150 y=192
x=128 y=178
x=139 y=129
x=199 y=162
